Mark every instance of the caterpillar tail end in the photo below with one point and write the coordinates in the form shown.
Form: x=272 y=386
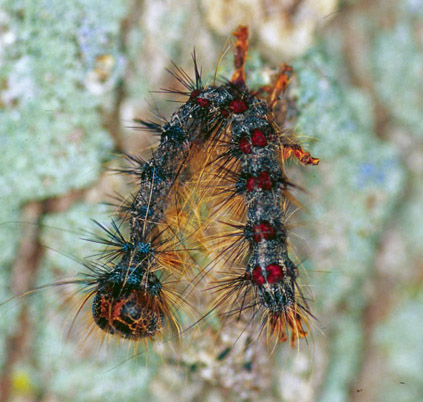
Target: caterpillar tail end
x=291 y=321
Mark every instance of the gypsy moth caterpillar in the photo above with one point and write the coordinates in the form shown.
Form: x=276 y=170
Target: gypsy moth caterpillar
x=247 y=187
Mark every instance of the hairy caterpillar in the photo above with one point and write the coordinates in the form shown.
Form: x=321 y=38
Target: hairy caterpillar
x=250 y=196
x=133 y=283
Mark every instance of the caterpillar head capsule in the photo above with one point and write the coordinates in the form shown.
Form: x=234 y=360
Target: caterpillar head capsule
x=129 y=304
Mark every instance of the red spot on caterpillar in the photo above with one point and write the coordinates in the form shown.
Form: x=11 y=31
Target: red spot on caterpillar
x=263 y=181
x=245 y=146
x=274 y=273
x=203 y=102
x=264 y=231
x=258 y=139
x=194 y=93
x=258 y=276
x=251 y=183
x=238 y=106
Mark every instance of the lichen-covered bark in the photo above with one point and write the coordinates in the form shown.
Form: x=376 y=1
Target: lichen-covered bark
x=69 y=69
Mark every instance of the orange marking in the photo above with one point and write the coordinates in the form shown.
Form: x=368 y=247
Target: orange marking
x=280 y=86
x=280 y=322
x=240 y=55
x=297 y=331
x=304 y=157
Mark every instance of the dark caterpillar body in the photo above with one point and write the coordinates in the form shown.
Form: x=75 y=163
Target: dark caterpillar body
x=261 y=279
x=269 y=268
x=129 y=298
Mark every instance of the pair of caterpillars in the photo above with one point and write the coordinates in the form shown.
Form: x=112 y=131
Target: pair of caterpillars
x=228 y=134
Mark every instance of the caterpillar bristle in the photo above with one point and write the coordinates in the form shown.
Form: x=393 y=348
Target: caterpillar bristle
x=184 y=79
x=112 y=238
x=148 y=125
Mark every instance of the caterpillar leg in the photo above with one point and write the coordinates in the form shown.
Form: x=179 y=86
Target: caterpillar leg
x=274 y=91
x=240 y=56
x=280 y=85
x=303 y=156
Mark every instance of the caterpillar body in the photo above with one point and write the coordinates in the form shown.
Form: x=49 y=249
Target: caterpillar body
x=251 y=189
x=130 y=299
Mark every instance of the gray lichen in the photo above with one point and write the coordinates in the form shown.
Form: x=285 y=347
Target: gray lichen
x=60 y=66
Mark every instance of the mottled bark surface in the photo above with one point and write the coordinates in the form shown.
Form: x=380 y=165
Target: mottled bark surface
x=73 y=75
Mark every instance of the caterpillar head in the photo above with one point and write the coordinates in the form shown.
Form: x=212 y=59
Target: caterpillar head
x=129 y=303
